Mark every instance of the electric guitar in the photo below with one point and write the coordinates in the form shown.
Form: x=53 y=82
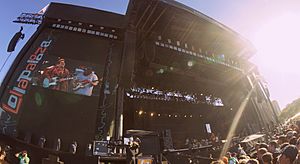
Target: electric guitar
x=54 y=81
x=82 y=84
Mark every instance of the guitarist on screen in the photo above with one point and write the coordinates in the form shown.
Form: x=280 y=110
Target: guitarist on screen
x=57 y=76
x=85 y=81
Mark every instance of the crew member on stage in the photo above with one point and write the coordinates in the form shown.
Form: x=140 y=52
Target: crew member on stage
x=57 y=76
x=23 y=157
x=134 y=151
x=86 y=80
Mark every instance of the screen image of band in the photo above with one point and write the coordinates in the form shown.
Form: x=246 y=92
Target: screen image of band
x=68 y=75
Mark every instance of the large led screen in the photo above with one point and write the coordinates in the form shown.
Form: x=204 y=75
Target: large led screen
x=66 y=75
x=56 y=88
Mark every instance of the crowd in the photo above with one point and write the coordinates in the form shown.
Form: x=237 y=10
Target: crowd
x=281 y=146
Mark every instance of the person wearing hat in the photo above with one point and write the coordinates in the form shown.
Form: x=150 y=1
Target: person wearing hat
x=86 y=80
x=288 y=155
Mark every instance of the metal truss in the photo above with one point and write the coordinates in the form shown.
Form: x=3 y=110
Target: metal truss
x=29 y=18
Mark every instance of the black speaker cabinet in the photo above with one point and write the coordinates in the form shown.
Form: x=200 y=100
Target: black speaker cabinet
x=100 y=148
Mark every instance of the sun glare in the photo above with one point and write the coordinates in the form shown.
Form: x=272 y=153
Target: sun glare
x=278 y=43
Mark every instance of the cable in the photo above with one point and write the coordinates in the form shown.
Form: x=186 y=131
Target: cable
x=5 y=61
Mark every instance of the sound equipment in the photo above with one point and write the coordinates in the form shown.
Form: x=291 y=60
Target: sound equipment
x=144 y=160
x=167 y=139
x=150 y=143
x=13 y=42
x=100 y=148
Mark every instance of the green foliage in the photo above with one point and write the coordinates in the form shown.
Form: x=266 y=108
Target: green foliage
x=290 y=110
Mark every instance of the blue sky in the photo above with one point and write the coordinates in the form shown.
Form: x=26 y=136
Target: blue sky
x=267 y=23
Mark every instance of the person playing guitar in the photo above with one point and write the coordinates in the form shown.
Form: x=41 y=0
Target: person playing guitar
x=56 y=77
x=85 y=81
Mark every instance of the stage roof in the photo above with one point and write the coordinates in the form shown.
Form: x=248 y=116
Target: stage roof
x=177 y=22
x=168 y=19
x=84 y=15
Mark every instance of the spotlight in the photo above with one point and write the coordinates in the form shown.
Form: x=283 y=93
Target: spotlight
x=158 y=114
x=161 y=71
x=190 y=63
x=152 y=114
x=140 y=112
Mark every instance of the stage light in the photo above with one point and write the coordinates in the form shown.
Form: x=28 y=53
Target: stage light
x=171 y=68
x=101 y=28
x=184 y=115
x=152 y=114
x=175 y=115
x=90 y=25
x=140 y=112
x=161 y=71
x=158 y=115
x=190 y=63
x=69 y=22
x=169 y=115
x=191 y=116
x=231 y=109
x=113 y=30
